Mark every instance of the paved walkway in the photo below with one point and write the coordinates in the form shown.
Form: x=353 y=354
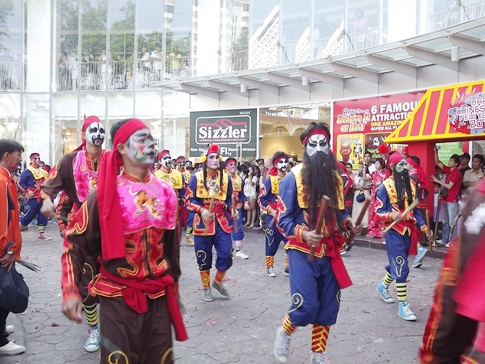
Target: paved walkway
x=242 y=329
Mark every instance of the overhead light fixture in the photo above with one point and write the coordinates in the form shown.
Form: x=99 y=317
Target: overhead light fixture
x=304 y=80
x=243 y=88
x=455 y=54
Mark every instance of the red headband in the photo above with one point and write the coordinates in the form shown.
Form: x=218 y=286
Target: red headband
x=394 y=158
x=112 y=239
x=316 y=131
x=230 y=159
x=275 y=162
x=413 y=163
x=87 y=121
x=180 y=159
x=214 y=148
x=33 y=155
x=162 y=153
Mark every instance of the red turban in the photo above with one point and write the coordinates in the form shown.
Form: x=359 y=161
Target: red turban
x=162 y=153
x=87 y=121
x=394 y=158
x=112 y=237
x=214 y=148
x=383 y=149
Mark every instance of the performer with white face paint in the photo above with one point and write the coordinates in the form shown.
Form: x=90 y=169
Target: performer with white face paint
x=315 y=283
x=267 y=200
x=393 y=197
x=209 y=198
x=130 y=221
x=76 y=175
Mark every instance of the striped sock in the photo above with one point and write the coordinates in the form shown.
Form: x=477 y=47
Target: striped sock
x=287 y=326
x=220 y=275
x=401 y=291
x=269 y=261
x=41 y=229
x=91 y=314
x=319 y=338
x=287 y=262
x=188 y=231
x=387 y=280
x=205 y=277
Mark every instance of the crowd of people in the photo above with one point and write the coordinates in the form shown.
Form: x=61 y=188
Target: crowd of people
x=124 y=213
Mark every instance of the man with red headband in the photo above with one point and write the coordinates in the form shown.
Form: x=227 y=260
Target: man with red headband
x=317 y=272
x=209 y=198
x=240 y=200
x=180 y=162
x=130 y=222
x=393 y=197
x=455 y=332
x=267 y=200
x=76 y=175
x=30 y=180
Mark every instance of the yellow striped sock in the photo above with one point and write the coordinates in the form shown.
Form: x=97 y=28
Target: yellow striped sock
x=269 y=261
x=401 y=291
x=205 y=277
x=91 y=314
x=287 y=326
x=387 y=280
x=319 y=337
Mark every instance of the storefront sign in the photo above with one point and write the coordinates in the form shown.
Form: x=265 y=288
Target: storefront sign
x=468 y=115
x=233 y=130
x=360 y=126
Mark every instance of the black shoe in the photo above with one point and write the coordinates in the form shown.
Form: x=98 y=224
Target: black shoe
x=287 y=271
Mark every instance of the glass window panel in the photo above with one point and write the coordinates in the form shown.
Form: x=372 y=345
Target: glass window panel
x=264 y=33
x=10 y=44
x=120 y=107
x=150 y=19
x=66 y=45
x=362 y=25
x=328 y=29
x=175 y=122
x=295 y=31
x=178 y=39
x=93 y=46
x=10 y=126
x=122 y=44
x=148 y=107
x=36 y=116
x=64 y=125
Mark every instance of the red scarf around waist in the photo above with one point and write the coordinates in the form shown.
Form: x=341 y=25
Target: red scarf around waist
x=338 y=266
x=415 y=235
x=135 y=296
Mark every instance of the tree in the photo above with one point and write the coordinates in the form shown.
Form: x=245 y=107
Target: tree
x=6 y=10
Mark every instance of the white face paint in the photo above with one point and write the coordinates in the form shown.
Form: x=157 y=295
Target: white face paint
x=95 y=134
x=282 y=165
x=166 y=161
x=213 y=161
x=317 y=143
x=400 y=166
x=141 y=147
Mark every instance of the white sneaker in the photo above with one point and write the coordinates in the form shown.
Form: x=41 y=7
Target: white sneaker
x=11 y=349
x=241 y=255
x=9 y=329
x=270 y=272
x=92 y=342
x=319 y=358
x=281 y=348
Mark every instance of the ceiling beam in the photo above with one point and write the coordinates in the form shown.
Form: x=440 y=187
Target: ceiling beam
x=395 y=66
x=356 y=72
x=200 y=90
x=290 y=81
x=236 y=90
x=322 y=77
x=468 y=43
x=432 y=57
x=275 y=90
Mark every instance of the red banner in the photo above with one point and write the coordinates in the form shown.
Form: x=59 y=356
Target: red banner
x=360 y=126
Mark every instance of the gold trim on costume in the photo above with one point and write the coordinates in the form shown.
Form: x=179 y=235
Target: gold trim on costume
x=201 y=253
x=165 y=356
x=116 y=360
x=398 y=264
x=297 y=300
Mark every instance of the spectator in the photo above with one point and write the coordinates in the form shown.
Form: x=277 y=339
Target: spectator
x=250 y=192
x=378 y=176
x=368 y=163
x=449 y=194
x=10 y=236
x=361 y=27
x=464 y=163
x=175 y=58
x=474 y=174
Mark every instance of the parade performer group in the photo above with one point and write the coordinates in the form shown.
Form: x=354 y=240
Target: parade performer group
x=76 y=175
x=267 y=200
x=393 y=198
x=130 y=222
x=315 y=284
x=209 y=198
x=30 y=181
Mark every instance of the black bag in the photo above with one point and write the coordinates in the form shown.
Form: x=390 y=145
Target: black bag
x=360 y=197
x=14 y=293
x=444 y=192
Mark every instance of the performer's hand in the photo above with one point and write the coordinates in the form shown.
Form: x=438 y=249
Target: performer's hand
x=312 y=238
x=72 y=309
x=235 y=215
x=7 y=261
x=355 y=229
x=239 y=205
x=429 y=236
x=396 y=216
x=48 y=209
x=29 y=194
x=207 y=216
x=272 y=212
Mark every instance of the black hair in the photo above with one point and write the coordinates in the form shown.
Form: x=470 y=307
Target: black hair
x=114 y=129
x=480 y=157
x=9 y=146
x=416 y=159
x=349 y=164
x=279 y=154
x=456 y=158
x=381 y=162
x=314 y=125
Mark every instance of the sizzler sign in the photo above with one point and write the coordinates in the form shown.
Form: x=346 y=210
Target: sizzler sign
x=223 y=130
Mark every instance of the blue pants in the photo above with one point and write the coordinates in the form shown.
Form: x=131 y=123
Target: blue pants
x=31 y=210
x=315 y=292
x=397 y=247
x=273 y=237
x=240 y=233
x=223 y=245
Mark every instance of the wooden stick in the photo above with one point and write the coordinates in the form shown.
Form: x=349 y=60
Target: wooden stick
x=430 y=243
x=211 y=207
x=234 y=209
x=318 y=228
x=351 y=237
x=436 y=219
x=407 y=211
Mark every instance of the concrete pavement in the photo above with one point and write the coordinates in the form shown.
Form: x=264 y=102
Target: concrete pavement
x=242 y=329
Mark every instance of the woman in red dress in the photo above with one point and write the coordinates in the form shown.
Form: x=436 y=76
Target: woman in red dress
x=378 y=176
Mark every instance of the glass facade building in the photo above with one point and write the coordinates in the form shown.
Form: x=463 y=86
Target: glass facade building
x=63 y=59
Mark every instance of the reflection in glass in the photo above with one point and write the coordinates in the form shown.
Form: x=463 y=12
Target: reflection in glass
x=362 y=25
x=295 y=31
x=328 y=29
x=10 y=44
x=64 y=125
x=264 y=33
x=178 y=40
x=120 y=106
x=10 y=127
x=148 y=107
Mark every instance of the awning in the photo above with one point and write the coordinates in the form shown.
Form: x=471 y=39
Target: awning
x=444 y=114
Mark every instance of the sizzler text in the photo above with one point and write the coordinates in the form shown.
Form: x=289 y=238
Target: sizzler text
x=208 y=132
